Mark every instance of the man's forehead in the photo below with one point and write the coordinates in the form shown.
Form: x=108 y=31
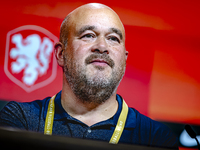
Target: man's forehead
x=101 y=17
x=91 y=15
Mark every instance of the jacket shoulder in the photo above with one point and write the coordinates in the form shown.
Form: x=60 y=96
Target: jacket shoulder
x=24 y=115
x=155 y=132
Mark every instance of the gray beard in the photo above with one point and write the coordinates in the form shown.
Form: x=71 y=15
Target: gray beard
x=96 y=89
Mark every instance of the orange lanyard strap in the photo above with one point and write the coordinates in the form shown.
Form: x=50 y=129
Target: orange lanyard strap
x=116 y=134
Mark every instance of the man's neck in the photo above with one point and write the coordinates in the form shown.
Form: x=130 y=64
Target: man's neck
x=88 y=113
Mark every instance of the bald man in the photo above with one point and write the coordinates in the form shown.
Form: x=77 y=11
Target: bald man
x=92 y=53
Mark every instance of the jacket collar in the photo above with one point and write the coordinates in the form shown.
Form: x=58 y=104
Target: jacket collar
x=61 y=114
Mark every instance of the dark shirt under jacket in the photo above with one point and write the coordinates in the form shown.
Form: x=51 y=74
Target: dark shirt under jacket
x=139 y=129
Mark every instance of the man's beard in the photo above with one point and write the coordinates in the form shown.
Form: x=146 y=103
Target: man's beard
x=96 y=89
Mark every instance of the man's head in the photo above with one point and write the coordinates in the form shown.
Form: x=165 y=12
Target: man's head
x=92 y=52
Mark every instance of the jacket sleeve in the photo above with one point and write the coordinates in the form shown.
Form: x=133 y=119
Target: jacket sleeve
x=163 y=136
x=12 y=115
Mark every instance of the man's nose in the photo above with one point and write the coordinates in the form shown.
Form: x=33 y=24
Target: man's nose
x=100 y=46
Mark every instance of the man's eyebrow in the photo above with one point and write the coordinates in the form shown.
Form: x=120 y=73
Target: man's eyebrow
x=85 y=28
x=88 y=27
x=117 y=31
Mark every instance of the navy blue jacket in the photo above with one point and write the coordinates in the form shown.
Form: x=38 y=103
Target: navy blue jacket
x=139 y=129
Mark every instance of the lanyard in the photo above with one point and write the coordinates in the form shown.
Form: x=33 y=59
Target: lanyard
x=116 y=134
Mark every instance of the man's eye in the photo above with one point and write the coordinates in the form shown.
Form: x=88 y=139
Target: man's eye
x=88 y=36
x=113 y=38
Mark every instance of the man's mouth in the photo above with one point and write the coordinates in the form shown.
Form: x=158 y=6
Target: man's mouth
x=99 y=62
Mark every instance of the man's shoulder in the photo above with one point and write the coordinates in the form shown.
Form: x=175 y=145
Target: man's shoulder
x=22 y=114
x=146 y=123
x=158 y=133
x=26 y=106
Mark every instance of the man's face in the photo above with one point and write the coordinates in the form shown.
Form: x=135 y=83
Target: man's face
x=95 y=56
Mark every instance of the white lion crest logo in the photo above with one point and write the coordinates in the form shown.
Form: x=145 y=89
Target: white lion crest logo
x=32 y=55
x=29 y=61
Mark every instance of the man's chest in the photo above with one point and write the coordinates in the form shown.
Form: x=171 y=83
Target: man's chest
x=78 y=130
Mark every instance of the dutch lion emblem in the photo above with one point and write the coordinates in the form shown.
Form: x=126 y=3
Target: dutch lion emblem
x=31 y=54
x=29 y=60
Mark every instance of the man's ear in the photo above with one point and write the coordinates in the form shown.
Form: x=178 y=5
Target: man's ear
x=59 y=53
x=126 y=53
